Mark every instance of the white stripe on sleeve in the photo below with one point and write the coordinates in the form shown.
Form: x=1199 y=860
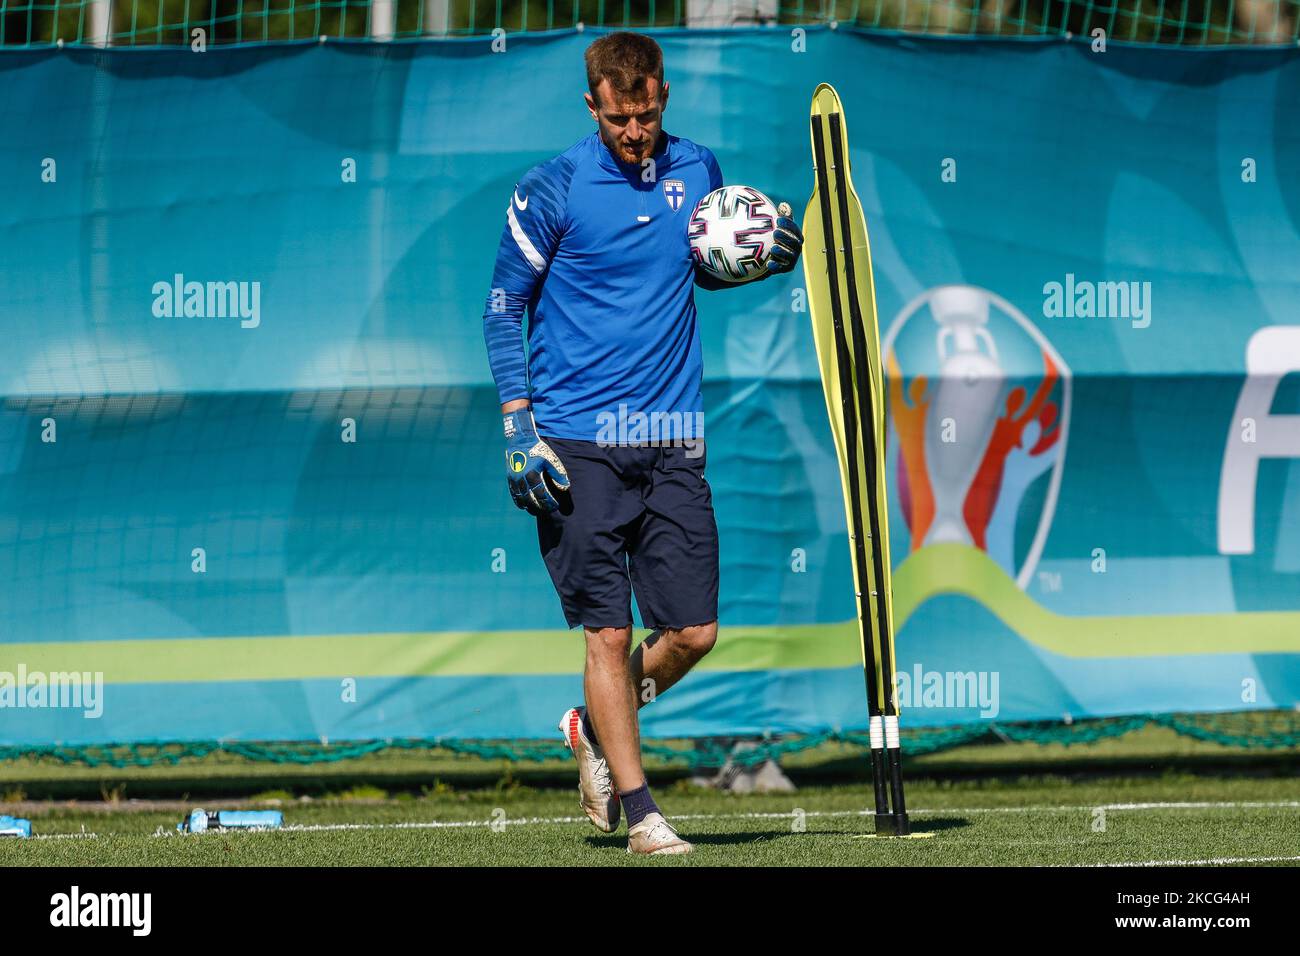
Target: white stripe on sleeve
x=525 y=244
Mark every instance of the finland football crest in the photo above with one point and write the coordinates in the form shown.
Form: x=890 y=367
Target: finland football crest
x=675 y=193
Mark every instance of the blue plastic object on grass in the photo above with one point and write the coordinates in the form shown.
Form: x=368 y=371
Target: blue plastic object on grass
x=250 y=818
x=200 y=820
x=15 y=827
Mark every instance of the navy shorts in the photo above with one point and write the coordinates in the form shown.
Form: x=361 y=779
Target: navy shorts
x=637 y=520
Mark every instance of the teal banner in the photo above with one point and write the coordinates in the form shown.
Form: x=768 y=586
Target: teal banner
x=250 y=448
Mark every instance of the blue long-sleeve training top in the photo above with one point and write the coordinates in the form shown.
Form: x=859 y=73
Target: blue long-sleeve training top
x=601 y=261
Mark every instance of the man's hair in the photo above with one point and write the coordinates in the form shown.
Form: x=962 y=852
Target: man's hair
x=627 y=60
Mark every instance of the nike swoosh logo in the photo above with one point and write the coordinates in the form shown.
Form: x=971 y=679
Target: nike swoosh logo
x=521 y=204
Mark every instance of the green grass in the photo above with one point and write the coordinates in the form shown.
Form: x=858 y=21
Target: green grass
x=1033 y=820
x=984 y=805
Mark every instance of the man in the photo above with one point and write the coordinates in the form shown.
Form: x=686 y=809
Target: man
x=596 y=248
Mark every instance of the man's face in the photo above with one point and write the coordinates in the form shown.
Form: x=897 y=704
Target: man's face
x=630 y=125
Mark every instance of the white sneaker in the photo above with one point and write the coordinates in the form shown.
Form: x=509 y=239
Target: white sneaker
x=595 y=786
x=655 y=835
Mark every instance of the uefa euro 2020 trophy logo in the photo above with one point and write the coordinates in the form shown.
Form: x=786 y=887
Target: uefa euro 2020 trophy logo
x=979 y=411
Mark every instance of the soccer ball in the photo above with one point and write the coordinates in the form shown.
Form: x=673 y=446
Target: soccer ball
x=731 y=233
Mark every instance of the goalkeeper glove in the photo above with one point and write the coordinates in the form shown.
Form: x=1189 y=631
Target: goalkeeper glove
x=787 y=242
x=533 y=470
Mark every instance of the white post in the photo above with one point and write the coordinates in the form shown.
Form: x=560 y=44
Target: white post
x=437 y=17
x=99 y=23
x=383 y=19
x=729 y=13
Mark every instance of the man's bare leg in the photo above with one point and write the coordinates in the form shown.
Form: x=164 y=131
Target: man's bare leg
x=616 y=686
x=611 y=680
x=612 y=703
x=665 y=657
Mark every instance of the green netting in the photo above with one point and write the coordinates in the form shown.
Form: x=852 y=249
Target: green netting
x=1253 y=730
x=161 y=22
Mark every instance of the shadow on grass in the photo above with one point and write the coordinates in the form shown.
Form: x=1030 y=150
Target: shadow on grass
x=929 y=824
x=935 y=825
x=709 y=839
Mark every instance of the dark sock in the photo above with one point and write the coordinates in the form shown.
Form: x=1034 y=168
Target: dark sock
x=588 y=728
x=638 y=803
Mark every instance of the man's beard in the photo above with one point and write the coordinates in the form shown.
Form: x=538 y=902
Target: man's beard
x=644 y=152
